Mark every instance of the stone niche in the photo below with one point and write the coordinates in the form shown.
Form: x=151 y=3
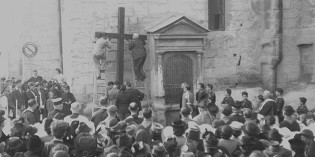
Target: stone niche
x=176 y=46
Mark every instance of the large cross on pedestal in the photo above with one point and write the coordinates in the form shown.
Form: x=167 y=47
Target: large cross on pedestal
x=120 y=36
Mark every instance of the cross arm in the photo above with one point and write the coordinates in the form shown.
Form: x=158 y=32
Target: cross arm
x=117 y=36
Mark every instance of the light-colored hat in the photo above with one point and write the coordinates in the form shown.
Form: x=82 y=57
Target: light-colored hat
x=235 y=125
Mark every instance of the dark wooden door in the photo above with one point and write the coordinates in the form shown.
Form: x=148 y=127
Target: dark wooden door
x=177 y=69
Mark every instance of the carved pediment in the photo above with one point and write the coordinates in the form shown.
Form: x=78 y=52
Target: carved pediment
x=176 y=25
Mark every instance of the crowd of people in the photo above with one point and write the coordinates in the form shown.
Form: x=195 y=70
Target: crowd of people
x=43 y=119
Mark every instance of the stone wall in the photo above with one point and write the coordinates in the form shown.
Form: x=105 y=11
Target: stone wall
x=33 y=21
x=235 y=56
x=298 y=24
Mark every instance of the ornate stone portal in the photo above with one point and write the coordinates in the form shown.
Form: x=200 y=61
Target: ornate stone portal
x=176 y=46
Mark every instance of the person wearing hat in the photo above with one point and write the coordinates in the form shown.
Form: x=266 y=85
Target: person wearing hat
x=226 y=142
x=15 y=144
x=134 y=116
x=112 y=114
x=18 y=97
x=225 y=116
x=185 y=112
x=237 y=130
x=67 y=99
x=159 y=151
x=57 y=112
x=59 y=129
x=210 y=143
x=179 y=128
x=228 y=100
x=275 y=148
x=85 y=145
x=237 y=114
x=289 y=121
x=101 y=114
x=307 y=136
x=29 y=114
x=298 y=146
x=34 y=146
x=156 y=133
x=142 y=143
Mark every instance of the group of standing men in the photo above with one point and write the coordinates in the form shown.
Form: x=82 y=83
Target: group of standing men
x=36 y=99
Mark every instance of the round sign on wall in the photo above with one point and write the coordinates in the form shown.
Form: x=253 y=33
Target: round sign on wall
x=30 y=49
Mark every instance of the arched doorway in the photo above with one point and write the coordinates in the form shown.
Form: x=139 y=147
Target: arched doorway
x=177 y=68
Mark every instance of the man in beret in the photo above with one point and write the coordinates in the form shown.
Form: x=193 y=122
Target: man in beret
x=18 y=97
x=59 y=129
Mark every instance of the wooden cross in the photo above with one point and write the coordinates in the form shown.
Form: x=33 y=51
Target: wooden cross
x=120 y=36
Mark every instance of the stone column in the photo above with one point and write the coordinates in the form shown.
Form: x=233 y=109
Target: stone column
x=199 y=66
x=158 y=100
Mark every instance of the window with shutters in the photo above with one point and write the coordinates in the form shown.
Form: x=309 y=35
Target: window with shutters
x=216 y=15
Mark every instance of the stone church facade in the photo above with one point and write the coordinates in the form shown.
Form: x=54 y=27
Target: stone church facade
x=229 y=43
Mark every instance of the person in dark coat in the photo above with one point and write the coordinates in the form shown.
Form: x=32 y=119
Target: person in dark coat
x=201 y=98
x=228 y=100
x=18 y=96
x=35 y=78
x=307 y=137
x=136 y=95
x=122 y=103
x=41 y=100
x=138 y=55
x=246 y=103
x=33 y=94
x=68 y=99
x=302 y=109
x=134 y=116
x=211 y=94
x=29 y=114
x=279 y=104
x=57 y=112
x=289 y=122
x=268 y=107
x=101 y=114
